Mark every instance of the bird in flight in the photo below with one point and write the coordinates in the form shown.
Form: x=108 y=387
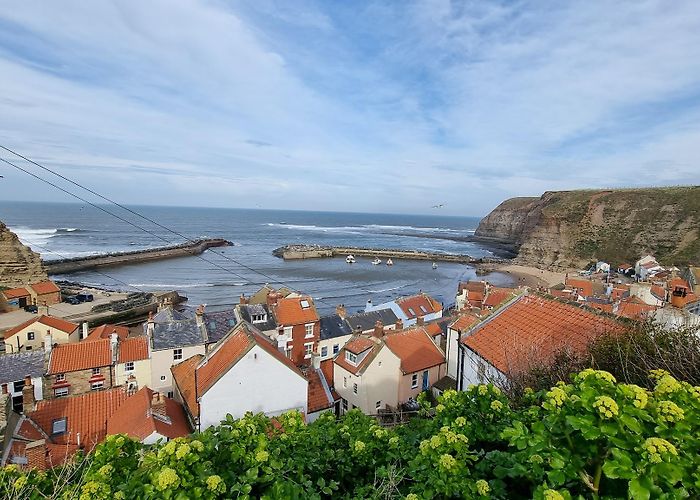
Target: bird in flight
x=439 y=206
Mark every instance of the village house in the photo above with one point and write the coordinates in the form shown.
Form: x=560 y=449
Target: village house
x=320 y=398
x=103 y=332
x=409 y=309
x=653 y=295
x=526 y=333
x=337 y=328
x=243 y=372
x=381 y=371
x=30 y=334
x=495 y=296
x=258 y=315
x=625 y=268
x=15 y=369
x=470 y=294
x=691 y=275
x=96 y=365
x=51 y=431
x=454 y=333
x=646 y=267
x=42 y=293
x=298 y=326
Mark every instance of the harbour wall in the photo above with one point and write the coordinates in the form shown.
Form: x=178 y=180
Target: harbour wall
x=63 y=266
x=296 y=252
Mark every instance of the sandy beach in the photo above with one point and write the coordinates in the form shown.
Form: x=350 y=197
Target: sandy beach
x=530 y=276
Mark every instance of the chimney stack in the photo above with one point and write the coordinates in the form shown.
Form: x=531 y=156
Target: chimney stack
x=315 y=361
x=199 y=315
x=399 y=324
x=340 y=311
x=113 y=343
x=48 y=343
x=158 y=405
x=420 y=321
x=272 y=298
x=84 y=333
x=5 y=407
x=243 y=300
x=28 y=401
x=378 y=329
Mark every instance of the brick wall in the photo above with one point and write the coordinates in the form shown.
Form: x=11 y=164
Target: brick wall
x=79 y=382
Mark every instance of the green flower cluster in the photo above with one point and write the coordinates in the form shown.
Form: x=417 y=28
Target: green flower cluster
x=670 y=412
x=606 y=406
x=658 y=450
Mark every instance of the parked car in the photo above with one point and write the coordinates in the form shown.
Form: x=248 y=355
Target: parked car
x=85 y=297
x=31 y=309
x=72 y=300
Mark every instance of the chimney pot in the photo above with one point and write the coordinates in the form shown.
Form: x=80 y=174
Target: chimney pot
x=378 y=329
x=420 y=321
x=399 y=324
x=84 y=330
x=28 y=396
x=340 y=311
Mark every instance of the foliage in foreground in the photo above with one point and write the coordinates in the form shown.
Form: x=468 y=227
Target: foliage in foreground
x=592 y=438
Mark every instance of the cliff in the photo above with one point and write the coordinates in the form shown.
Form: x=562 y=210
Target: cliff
x=19 y=265
x=571 y=228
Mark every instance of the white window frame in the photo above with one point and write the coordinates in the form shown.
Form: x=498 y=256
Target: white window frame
x=30 y=336
x=344 y=405
x=60 y=392
x=308 y=350
x=324 y=351
x=354 y=388
x=336 y=348
x=60 y=377
x=129 y=366
x=414 y=381
x=96 y=371
x=378 y=405
x=309 y=331
x=97 y=386
x=177 y=354
x=351 y=357
x=345 y=382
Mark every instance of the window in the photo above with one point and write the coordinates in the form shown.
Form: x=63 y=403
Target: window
x=97 y=386
x=304 y=304
x=30 y=335
x=426 y=380
x=308 y=349
x=95 y=371
x=324 y=351
x=212 y=325
x=309 y=330
x=177 y=354
x=259 y=318
x=414 y=381
x=60 y=377
x=162 y=378
x=345 y=382
x=345 y=405
x=336 y=348
x=17 y=386
x=378 y=405
x=60 y=393
x=411 y=311
x=352 y=358
x=59 y=426
x=170 y=394
x=423 y=309
x=354 y=388
x=28 y=348
x=232 y=322
x=129 y=366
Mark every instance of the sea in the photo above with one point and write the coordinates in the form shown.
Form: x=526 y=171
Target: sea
x=219 y=276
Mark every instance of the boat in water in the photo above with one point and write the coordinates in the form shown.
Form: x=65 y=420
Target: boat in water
x=434 y=265
x=389 y=262
x=350 y=259
x=376 y=261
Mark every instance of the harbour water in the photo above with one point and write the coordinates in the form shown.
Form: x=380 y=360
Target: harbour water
x=219 y=276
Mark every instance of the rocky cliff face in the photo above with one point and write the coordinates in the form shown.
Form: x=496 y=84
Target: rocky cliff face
x=571 y=228
x=19 y=265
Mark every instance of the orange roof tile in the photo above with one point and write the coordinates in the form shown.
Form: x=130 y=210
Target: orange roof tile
x=328 y=373
x=15 y=293
x=318 y=398
x=291 y=312
x=184 y=377
x=86 y=415
x=418 y=305
x=133 y=349
x=80 y=356
x=433 y=329
x=497 y=296
x=50 y=321
x=359 y=344
x=464 y=321
x=415 y=349
x=658 y=291
x=473 y=286
x=136 y=418
x=44 y=287
x=105 y=331
x=634 y=309
x=584 y=287
x=533 y=329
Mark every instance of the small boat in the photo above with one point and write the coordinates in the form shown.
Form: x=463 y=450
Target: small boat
x=350 y=259
x=376 y=261
x=434 y=265
x=389 y=262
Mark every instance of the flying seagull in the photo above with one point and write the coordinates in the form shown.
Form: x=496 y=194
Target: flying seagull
x=439 y=206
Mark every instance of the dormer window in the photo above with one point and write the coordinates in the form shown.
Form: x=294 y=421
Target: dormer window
x=425 y=311
x=304 y=304
x=259 y=318
x=350 y=357
x=411 y=311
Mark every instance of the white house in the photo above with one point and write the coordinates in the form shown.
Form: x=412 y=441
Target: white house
x=14 y=371
x=243 y=372
x=409 y=309
x=646 y=267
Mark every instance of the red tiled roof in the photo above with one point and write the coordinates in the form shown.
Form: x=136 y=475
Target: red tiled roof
x=433 y=329
x=290 y=311
x=184 y=377
x=105 y=331
x=533 y=329
x=50 y=321
x=605 y=307
x=317 y=398
x=415 y=349
x=136 y=418
x=421 y=305
x=15 y=293
x=80 y=356
x=86 y=414
x=677 y=282
x=625 y=265
x=475 y=298
x=584 y=287
x=328 y=373
x=658 y=291
x=133 y=349
x=359 y=344
x=618 y=291
x=497 y=296
x=45 y=287
x=464 y=321
x=28 y=430
x=634 y=309
x=649 y=265
x=473 y=286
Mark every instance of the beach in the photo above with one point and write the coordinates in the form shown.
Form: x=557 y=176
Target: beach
x=528 y=275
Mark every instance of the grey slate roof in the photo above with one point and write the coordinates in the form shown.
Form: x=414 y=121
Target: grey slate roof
x=174 y=329
x=333 y=326
x=14 y=367
x=246 y=312
x=367 y=320
x=219 y=324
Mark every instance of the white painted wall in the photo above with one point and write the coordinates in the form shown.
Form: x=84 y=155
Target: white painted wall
x=329 y=343
x=257 y=383
x=470 y=363
x=162 y=360
x=451 y=352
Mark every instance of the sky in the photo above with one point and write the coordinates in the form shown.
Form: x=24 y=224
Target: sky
x=349 y=106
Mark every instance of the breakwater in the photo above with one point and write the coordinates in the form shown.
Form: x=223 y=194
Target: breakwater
x=196 y=247
x=294 y=252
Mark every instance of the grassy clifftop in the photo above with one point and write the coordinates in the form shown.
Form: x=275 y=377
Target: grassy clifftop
x=564 y=228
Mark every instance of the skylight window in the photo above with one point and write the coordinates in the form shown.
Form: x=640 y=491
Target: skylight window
x=59 y=426
x=304 y=304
